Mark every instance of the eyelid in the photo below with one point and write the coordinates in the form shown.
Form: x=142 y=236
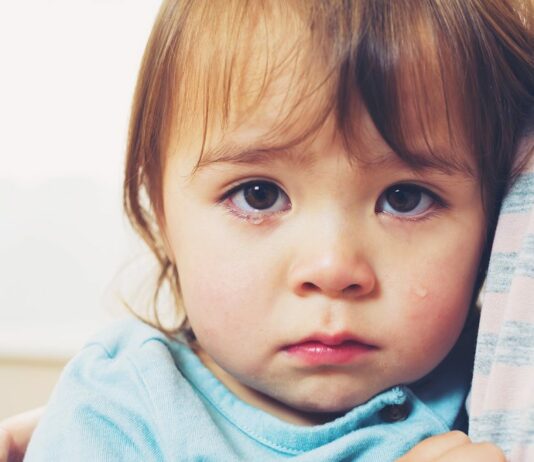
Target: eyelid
x=256 y=216
x=438 y=203
x=427 y=189
x=233 y=186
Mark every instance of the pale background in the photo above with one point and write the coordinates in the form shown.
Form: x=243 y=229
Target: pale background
x=67 y=73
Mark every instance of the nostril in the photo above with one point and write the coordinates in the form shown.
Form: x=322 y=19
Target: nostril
x=309 y=287
x=351 y=289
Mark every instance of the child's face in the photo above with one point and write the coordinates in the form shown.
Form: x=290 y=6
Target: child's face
x=313 y=282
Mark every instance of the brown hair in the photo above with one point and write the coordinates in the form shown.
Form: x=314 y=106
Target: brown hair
x=470 y=60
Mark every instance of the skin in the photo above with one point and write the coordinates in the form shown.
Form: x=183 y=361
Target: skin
x=324 y=260
x=15 y=434
x=452 y=447
x=330 y=263
x=269 y=281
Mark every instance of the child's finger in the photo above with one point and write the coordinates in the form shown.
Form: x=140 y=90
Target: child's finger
x=5 y=445
x=15 y=434
x=436 y=446
x=475 y=452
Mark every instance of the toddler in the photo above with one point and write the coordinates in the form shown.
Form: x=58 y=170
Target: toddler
x=319 y=181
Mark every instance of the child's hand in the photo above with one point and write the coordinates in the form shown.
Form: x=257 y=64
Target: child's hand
x=15 y=434
x=7 y=450
x=452 y=447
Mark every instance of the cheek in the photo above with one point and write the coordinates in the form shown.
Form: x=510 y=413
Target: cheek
x=436 y=310
x=445 y=273
x=438 y=299
x=222 y=289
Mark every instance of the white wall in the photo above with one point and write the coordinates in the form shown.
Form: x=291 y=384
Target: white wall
x=67 y=72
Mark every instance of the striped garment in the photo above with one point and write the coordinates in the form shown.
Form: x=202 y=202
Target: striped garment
x=502 y=399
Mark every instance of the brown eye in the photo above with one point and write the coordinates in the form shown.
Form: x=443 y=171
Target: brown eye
x=257 y=197
x=403 y=199
x=406 y=200
x=261 y=196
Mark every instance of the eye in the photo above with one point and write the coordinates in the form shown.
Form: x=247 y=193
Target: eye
x=257 y=197
x=406 y=200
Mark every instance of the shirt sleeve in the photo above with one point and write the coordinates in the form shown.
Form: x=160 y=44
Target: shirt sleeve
x=99 y=411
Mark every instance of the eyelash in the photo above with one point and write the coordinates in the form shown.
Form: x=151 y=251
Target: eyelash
x=436 y=203
x=257 y=215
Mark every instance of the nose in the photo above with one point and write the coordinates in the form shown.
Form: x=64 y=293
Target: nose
x=338 y=269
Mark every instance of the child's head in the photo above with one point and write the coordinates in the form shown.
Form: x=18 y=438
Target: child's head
x=321 y=179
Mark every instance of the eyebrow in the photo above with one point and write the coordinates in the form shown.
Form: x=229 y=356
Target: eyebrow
x=418 y=162
x=421 y=162
x=234 y=154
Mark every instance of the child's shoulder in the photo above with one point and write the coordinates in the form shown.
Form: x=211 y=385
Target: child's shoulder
x=119 y=358
x=125 y=337
x=124 y=355
x=112 y=397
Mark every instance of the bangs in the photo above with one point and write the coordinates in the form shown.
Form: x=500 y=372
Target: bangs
x=264 y=52
x=315 y=60
x=411 y=80
x=446 y=84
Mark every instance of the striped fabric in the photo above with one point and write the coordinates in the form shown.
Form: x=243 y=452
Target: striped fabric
x=502 y=399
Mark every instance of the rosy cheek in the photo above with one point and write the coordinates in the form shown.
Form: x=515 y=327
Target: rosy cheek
x=437 y=308
x=438 y=297
x=218 y=298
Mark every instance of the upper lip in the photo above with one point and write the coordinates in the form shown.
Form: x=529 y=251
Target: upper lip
x=332 y=339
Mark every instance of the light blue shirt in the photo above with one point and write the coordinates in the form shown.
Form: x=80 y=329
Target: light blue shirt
x=134 y=395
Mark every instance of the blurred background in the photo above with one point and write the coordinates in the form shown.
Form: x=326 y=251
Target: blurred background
x=68 y=70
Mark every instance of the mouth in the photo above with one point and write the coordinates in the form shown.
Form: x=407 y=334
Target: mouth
x=329 y=350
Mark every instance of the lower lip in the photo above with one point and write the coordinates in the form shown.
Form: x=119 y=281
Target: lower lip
x=317 y=353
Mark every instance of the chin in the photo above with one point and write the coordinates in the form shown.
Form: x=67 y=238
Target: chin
x=318 y=413
x=331 y=403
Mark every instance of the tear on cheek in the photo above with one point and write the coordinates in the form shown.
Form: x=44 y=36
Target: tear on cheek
x=420 y=291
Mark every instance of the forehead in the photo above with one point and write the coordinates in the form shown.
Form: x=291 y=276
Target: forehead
x=255 y=144
x=283 y=81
